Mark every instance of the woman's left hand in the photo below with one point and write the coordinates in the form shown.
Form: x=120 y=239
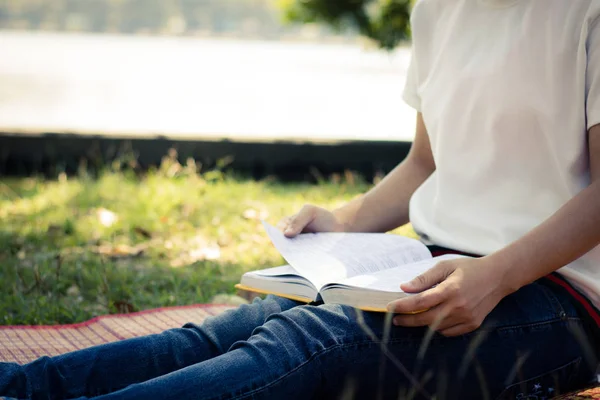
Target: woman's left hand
x=467 y=290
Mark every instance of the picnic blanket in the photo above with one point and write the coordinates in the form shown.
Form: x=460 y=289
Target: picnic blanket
x=23 y=344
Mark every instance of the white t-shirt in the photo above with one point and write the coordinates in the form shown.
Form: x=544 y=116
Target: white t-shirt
x=508 y=90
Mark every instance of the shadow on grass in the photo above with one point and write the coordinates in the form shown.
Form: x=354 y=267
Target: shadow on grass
x=44 y=284
x=198 y=231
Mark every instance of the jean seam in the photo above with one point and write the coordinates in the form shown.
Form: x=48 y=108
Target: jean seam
x=553 y=299
x=560 y=314
x=534 y=324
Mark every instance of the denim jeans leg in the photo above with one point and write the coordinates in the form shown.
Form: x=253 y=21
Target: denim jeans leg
x=525 y=347
x=110 y=367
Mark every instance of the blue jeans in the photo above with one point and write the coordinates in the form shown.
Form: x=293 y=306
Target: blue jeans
x=533 y=342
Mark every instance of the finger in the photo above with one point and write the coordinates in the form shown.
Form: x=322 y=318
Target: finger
x=299 y=221
x=457 y=330
x=437 y=319
x=283 y=223
x=419 y=302
x=426 y=280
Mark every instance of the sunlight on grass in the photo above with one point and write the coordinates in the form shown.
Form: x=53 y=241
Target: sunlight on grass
x=75 y=247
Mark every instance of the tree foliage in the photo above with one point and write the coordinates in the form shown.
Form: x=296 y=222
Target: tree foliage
x=387 y=22
x=384 y=21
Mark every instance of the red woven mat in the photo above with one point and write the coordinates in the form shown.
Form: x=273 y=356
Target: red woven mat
x=587 y=394
x=23 y=344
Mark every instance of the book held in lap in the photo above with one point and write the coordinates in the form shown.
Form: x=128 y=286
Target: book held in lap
x=363 y=270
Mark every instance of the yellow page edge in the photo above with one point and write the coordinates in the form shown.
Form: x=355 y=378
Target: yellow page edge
x=301 y=299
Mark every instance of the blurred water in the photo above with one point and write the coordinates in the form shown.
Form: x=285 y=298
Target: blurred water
x=182 y=87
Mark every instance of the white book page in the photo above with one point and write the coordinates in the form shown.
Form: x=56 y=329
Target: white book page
x=331 y=256
x=390 y=280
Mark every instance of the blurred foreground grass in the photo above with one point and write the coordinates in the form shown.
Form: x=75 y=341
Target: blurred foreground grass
x=72 y=248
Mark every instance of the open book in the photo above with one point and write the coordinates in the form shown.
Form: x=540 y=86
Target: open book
x=363 y=270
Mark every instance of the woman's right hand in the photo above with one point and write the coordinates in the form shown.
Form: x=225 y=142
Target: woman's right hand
x=311 y=219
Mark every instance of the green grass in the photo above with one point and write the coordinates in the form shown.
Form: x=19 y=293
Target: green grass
x=179 y=237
